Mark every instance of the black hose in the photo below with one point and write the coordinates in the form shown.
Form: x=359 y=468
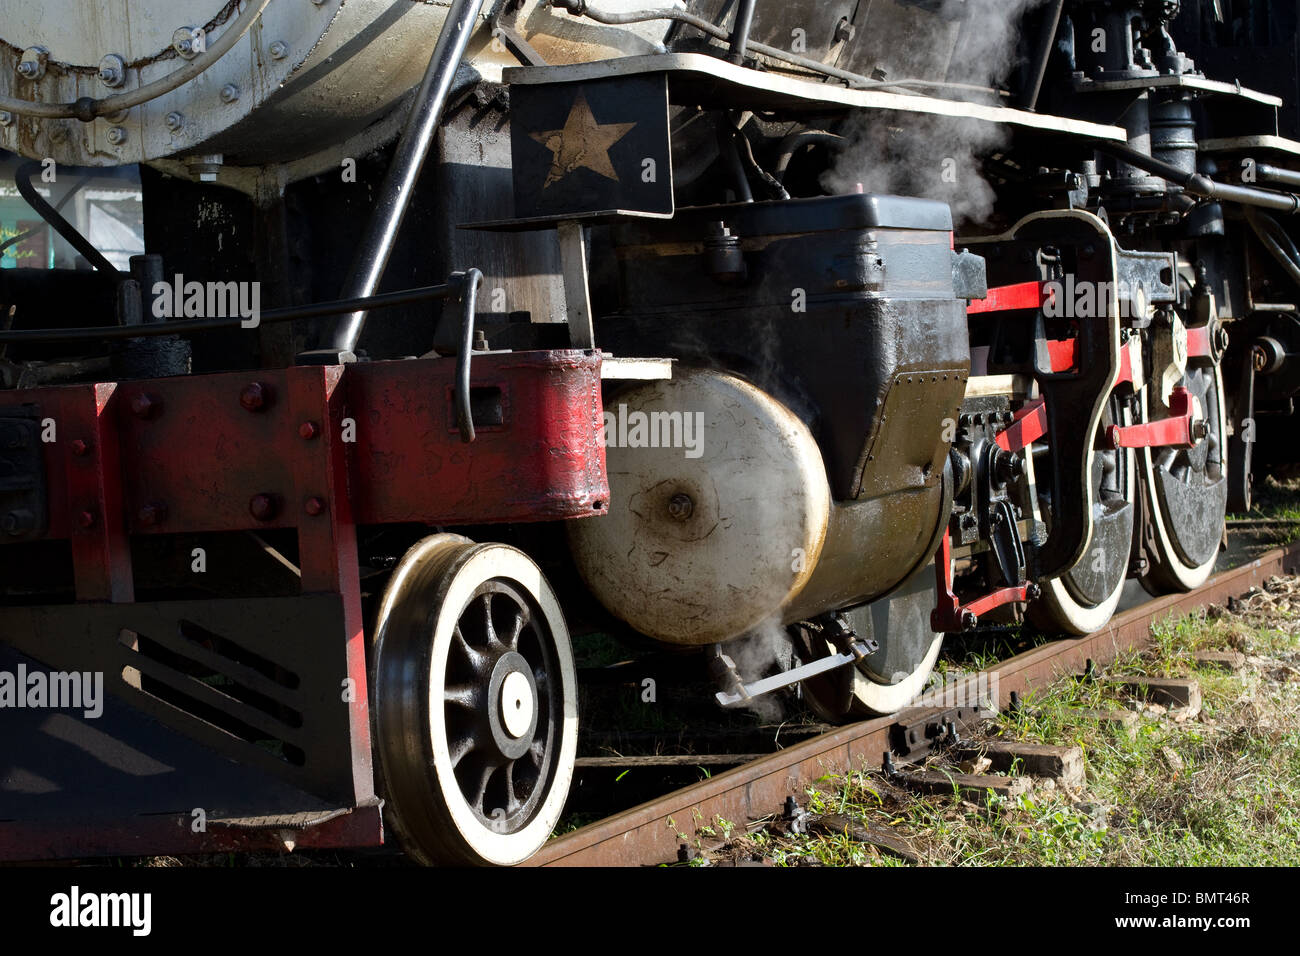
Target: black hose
x=23 y=180
x=288 y=314
x=1262 y=224
x=797 y=141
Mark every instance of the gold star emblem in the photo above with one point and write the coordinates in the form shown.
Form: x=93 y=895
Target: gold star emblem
x=582 y=144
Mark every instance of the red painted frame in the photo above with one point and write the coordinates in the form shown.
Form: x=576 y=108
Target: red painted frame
x=319 y=449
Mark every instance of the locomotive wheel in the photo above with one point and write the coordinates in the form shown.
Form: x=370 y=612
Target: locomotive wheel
x=1083 y=599
x=475 y=696
x=1188 y=492
x=892 y=677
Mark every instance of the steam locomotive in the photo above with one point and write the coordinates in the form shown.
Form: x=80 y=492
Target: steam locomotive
x=833 y=328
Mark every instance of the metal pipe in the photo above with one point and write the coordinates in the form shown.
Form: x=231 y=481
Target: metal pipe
x=293 y=313
x=796 y=141
x=581 y=8
x=23 y=180
x=1046 y=40
x=469 y=283
x=1275 y=174
x=412 y=149
x=1203 y=186
x=87 y=109
x=740 y=30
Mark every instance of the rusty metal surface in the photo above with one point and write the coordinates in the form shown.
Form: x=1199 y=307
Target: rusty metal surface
x=647 y=834
x=207 y=453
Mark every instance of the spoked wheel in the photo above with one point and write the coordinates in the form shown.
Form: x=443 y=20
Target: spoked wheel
x=475 y=697
x=1187 y=489
x=892 y=677
x=1083 y=599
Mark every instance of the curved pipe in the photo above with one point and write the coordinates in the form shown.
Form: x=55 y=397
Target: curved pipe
x=23 y=180
x=469 y=283
x=87 y=109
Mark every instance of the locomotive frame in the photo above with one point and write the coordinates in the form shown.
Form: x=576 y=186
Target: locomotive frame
x=937 y=394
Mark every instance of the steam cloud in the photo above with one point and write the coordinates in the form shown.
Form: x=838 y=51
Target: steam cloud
x=939 y=157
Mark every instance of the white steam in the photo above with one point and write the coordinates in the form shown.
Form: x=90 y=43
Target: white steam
x=939 y=157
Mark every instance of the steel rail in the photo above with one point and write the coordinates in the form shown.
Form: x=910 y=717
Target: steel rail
x=648 y=834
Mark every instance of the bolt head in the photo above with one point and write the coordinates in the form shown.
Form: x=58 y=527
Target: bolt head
x=174 y=121
x=154 y=513
x=262 y=507
x=145 y=405
x=80 y=448
x=29 y=69
x=6 y=118
x=680 y=506
x=314 y=506
x=968 y=620
x=279 y=50
x=254 y=397
x=308 y=430
x=1200 y=430
x=229 y=93
x=116 y=136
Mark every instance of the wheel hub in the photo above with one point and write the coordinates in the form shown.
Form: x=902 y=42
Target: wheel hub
x=512 y=705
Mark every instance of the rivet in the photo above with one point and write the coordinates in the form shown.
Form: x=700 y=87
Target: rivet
x=86 y=519
x=145 y=405
x=229 y=93
x=80 y=448
x=263 y=507
x=314 y=506
x=154 y=513
x=254 y=397
x=308 y=430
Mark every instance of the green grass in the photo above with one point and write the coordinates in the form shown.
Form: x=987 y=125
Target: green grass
x=1222 y=789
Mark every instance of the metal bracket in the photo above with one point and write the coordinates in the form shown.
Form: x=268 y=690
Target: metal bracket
x=740 y=692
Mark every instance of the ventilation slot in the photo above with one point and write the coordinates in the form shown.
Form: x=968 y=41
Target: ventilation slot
x=191 y=668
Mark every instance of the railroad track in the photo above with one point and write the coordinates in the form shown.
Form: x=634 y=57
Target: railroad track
x=648 y=834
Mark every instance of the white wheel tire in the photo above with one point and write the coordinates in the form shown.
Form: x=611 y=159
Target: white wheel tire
x=882 y=699
x=1056 y=606
x=489 y=561
x=1187 y=578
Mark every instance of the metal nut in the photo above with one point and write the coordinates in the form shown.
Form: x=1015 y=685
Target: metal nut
x=681 y=506
x=229 y=93
x=116 y=136
x=112 y=70
x=6 y=118
x=279 y=50
x=174 y=121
